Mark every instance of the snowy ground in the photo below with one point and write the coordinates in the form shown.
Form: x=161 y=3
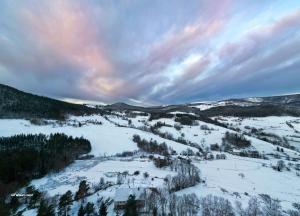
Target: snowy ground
x=286 y=126
x=236 y=178
x=106 y=139
x=93 y=170
x=225 y=178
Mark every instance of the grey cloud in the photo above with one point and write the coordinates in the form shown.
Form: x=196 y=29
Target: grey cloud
x=108 y=51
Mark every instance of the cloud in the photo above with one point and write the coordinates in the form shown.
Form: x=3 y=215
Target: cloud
x=243 y=63
x=141 y=51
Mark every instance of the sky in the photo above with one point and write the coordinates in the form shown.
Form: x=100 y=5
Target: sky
x=150 y=52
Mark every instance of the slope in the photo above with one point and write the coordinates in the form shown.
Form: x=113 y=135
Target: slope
x=18 y=104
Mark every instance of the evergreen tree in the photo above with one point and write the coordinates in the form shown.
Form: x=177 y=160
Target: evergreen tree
x=4 y=209
x=89 y=209
x=27 y=157
x=45 y=209
x=65 y=203
x=35 y=198
x=81 y=211
x=82 y=190
x=131 y=207
x=103 y=209
x=154 y=213
x=14 y=202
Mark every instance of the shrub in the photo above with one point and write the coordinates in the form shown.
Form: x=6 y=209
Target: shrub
x=161 y=162
x=178 y=126
x=146 y=175
x=215 y=147
x=280 y=165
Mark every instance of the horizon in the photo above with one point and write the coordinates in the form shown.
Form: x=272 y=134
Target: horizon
x=134 y=103
x=150 y=53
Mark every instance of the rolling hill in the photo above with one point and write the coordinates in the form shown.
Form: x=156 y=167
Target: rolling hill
x=18 y=104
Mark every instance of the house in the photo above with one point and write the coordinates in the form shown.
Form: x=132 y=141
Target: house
x=122 y=195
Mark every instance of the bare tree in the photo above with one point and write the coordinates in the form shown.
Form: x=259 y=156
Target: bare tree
x=271 y=207
x=213 y=205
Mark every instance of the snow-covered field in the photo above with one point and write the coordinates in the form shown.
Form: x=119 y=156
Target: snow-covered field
x=235 y=178
x=93 y=170
x=106 y=139
x=211 y=104
x=287 y=126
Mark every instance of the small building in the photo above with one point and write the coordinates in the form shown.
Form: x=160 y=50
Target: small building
x=122 y=195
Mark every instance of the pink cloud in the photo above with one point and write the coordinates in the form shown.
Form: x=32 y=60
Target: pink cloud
x=65 y=29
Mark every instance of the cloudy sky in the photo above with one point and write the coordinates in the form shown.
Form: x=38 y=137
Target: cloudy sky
x=155 y=52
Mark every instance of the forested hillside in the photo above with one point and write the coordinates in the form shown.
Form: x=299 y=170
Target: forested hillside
x=18 y=104
x=25 y=157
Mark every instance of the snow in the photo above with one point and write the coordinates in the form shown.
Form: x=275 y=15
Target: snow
x=215 y=135
x=226 y=174
x=204 y=106
x=30 y=212
x=272 y=124
x=208 y=105
x=255 y=99
x=106 y=139
x=93 y=170
x=236 y=178
x=122 y=194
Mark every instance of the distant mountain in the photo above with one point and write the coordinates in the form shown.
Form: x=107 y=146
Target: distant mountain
x=18 y=104
x=152 y=109
x=244 y=107
x=292 y=100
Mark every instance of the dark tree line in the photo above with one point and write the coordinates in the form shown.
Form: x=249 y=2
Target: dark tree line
x=25 y=157
x=185 y=119
x=235 y=140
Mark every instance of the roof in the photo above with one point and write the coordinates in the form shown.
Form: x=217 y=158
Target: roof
x=122 y=194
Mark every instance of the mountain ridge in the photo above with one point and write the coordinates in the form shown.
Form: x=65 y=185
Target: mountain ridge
x=19 y=104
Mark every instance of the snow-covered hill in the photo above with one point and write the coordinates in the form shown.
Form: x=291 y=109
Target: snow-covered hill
x=242 y=148
x=235 y=178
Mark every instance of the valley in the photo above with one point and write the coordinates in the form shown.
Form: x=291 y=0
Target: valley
x=171 y=153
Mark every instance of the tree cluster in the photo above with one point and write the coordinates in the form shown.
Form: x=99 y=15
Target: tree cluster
x=26 y=157
x=188 y=175
x=213 y=205
x=161 y=202
x=82 y=190
x=161 y=162
x=185 y=119
x=236 y=140
x=151 y=146
x=18 y=104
